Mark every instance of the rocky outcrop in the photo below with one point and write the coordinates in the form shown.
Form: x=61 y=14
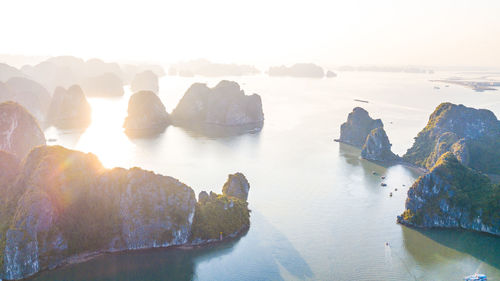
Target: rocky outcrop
x=146 y=113
x=28 y=93
x=378 y=148
x=145 y=81
x=104 y=85
x=359 y=124
x=236 y=186
x=19 y=131
x=69 y=108
x=225 y=104
x=330 y=74
x=473 y=134
x=67 y=205
x=225 y=215
x=309 y=70
x=452 y=195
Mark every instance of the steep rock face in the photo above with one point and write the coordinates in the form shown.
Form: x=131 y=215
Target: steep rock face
x=19 y=131
x=219 y=216
x=474 y=134
x=359 y=124
x=146 y=113
x=145 y=81
x=28 y=93
x=453 y=196
x=298 y=70
x=225 y=104
x=377 y=147
x=104 y=85
x=69 y=108
x=69 y=205
x=236 y=186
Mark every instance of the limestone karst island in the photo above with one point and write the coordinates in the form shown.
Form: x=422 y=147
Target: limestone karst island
x=250 y=140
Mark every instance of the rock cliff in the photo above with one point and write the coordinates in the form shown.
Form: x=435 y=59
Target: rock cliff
x=236 y=186
x=225 y=104
x=357 y=127
x=69 y=108
x=19 y=130
x=378 y=148
x=67 y=205
x=146 y=114
x=472 y=134
x=452 y=195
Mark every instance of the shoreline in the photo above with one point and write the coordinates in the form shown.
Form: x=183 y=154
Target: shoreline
x=87 y=256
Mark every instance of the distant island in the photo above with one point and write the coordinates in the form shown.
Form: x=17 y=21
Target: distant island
x=207 y=68
x=368 y=134
x=146 y=115
x=308 y=70
x=373 y=68
x=225 y=105
x=478 y=86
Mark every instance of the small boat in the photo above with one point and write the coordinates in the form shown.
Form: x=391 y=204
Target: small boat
x=476 y=277
x=365 y=101
x=383 y=184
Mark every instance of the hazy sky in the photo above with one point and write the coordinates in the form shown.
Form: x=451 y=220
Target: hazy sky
x=421 y=32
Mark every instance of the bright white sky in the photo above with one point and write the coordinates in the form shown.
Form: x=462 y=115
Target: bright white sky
x=384 y=32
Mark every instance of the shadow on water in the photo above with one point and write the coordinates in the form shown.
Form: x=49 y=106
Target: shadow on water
x=482 y=246
x=277 y=249
x=154 y=264
x=352 y=157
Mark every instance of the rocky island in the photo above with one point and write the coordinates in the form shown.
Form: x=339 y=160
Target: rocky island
x=65 y=207
x=452 y=195
x=145 y=81
x=69 y=108
x=473 y=135
x=308 y=70
x=146 y=114
x=358 y=126
x=224 y=105
x=19 y=130
x=378 y=148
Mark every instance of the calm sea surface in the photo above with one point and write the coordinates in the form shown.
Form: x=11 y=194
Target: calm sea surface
x=318 y=213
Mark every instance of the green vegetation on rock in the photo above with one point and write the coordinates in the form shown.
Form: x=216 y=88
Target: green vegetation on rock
x=219 y=213
x=473 y=135
x=453 y=195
